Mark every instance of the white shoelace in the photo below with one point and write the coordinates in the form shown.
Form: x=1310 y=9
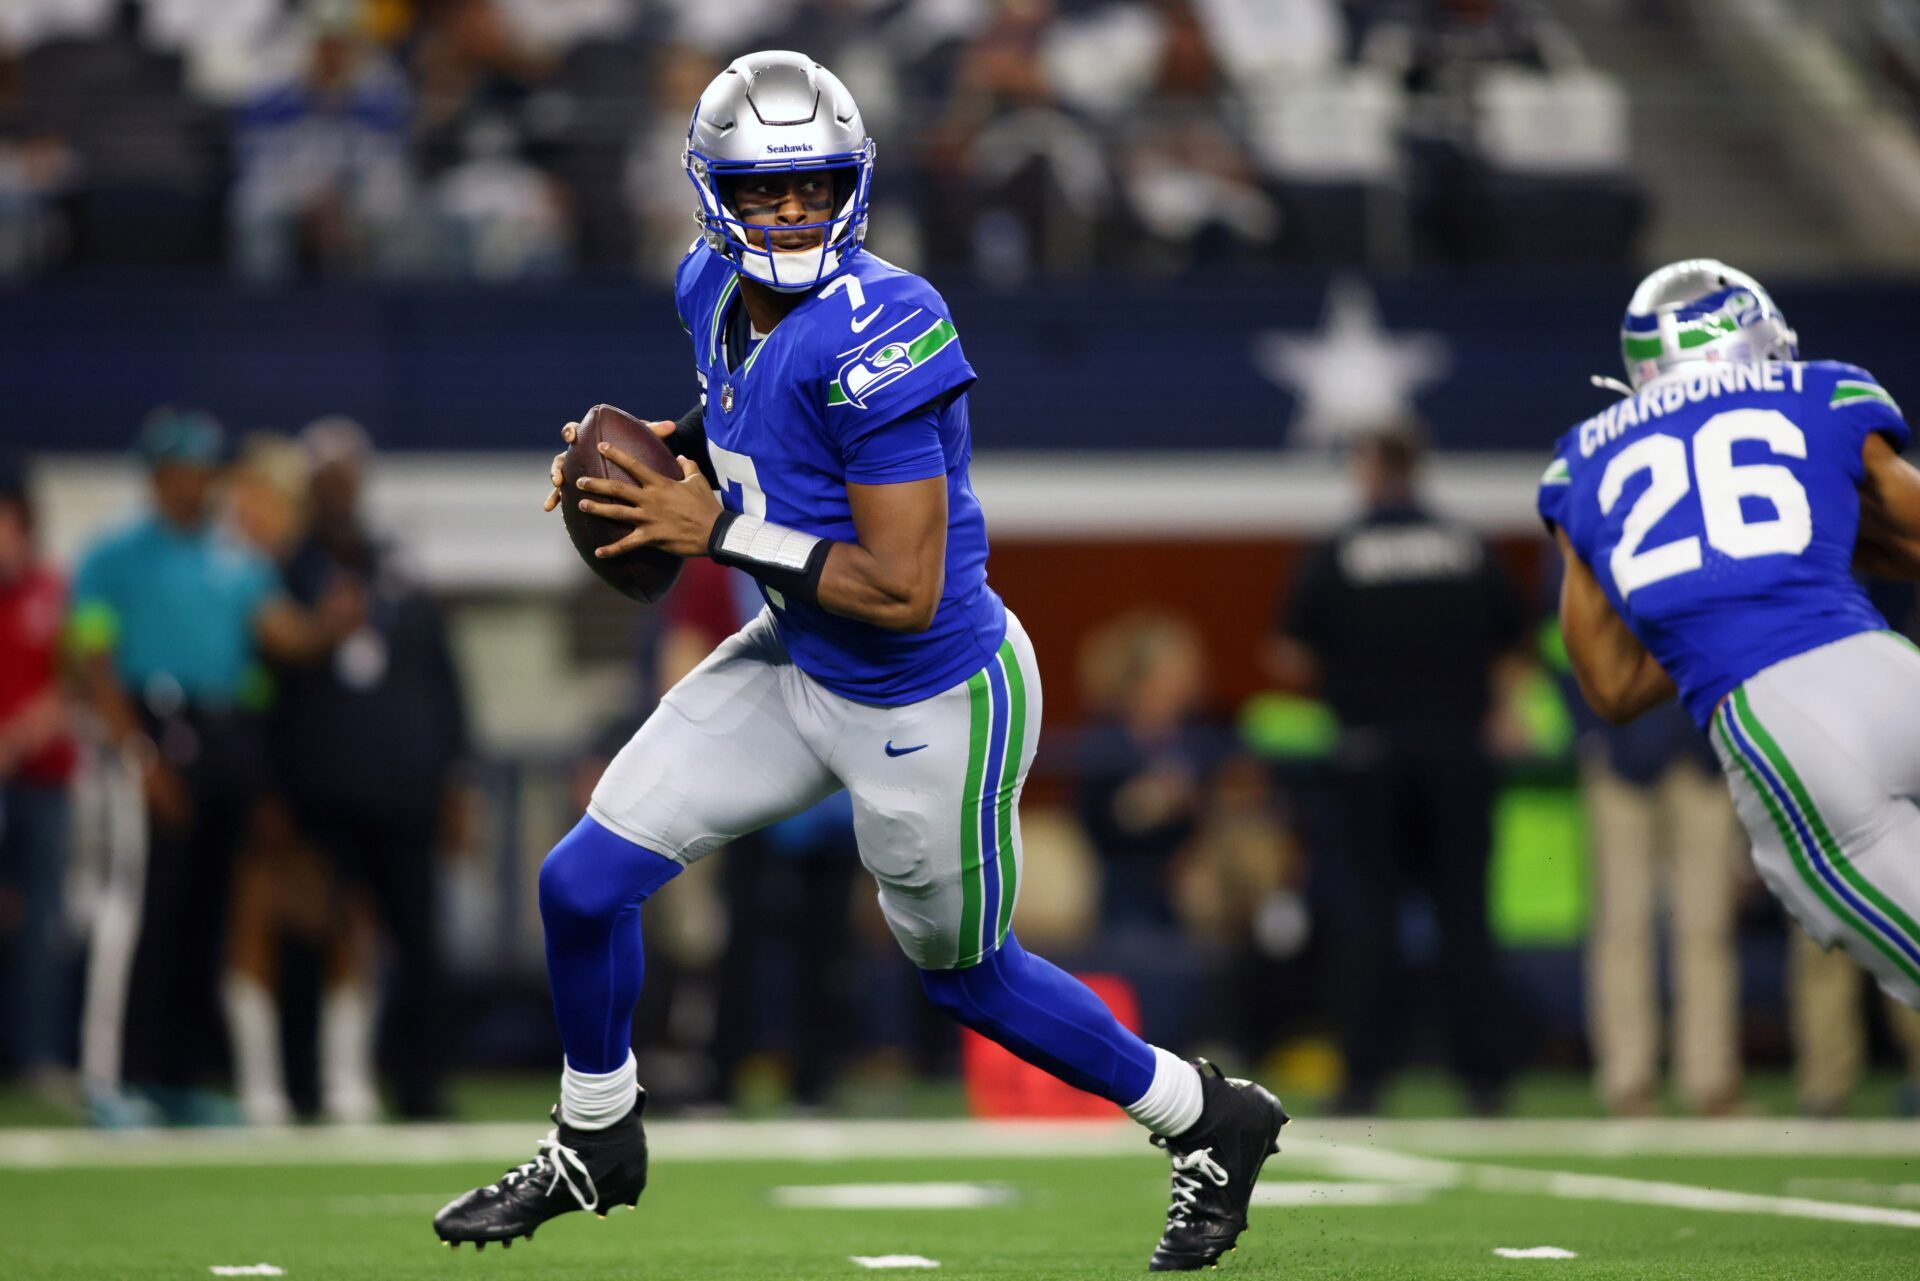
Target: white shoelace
x=1186 y=1182
x=565 y=1164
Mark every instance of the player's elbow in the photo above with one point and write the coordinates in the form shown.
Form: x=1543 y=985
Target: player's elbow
x=1626 y=698
x=1615 y=710
x=912 y=601
x=1607 y=698
x=911 y=615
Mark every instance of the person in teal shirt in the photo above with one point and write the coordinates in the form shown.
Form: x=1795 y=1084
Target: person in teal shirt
x=169 y=617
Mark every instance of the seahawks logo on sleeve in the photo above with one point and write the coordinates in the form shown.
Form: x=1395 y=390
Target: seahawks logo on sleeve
x=888 y=358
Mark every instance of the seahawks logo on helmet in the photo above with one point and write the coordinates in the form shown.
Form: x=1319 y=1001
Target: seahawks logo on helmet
x=1701 y=310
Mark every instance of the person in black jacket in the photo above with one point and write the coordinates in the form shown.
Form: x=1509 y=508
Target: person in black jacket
x=370 y=744
x=1400 y=621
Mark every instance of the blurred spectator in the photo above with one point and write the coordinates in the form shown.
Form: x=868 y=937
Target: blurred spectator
x=1027 y=137
x=557 y=25
x=469 y=65
x=1400 y=621
x=1830 y=1027
x=368 y=747
x=1190 y=181
x=1017 y=185
x=1238 y=887
x=36 y=168
x=36 y=768
x=283 y=888
x=1436 y=43
x=1144 y=762
x=323 y=182
x=504 y=218
x=1660 y=820
x=168 y=615
x=657 y=192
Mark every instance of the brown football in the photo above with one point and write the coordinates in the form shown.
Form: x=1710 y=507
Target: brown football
x=646 y=573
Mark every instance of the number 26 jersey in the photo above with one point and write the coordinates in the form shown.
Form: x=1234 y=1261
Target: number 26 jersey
x=1718 y=508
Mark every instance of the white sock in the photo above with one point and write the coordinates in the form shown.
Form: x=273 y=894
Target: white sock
x=349 y=1013
x=253 y=1026
x=1172 y=1103
x=589 y=1102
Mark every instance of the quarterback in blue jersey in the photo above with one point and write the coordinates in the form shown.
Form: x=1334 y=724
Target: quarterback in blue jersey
x=1711 y=522
x=828 y=459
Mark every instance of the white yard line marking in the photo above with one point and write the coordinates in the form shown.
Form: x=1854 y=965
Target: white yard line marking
x=1339 y=1194
x=843 y=1140
x=1857 y=1190
x=1404 y=1167
x=893 y=1196
x=894 y=1261
x=1533 y=1252
x=246 y=1270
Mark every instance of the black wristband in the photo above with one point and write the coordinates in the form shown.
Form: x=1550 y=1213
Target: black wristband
x=689 y=440
x=780 y=559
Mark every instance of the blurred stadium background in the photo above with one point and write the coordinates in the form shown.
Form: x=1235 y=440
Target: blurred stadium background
x=1196 y=249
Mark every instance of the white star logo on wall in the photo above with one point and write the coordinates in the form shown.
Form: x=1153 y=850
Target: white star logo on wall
x=1351 y=374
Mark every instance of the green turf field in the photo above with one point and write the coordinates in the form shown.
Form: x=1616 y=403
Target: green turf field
x=1746 y=1199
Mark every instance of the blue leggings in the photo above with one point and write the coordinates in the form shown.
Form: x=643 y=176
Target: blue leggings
x=591 y=889
x=1047 y=1017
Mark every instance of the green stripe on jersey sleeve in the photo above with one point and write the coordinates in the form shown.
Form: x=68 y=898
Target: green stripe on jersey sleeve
x=1852 y=391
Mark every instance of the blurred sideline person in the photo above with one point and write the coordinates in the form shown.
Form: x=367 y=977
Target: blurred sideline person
x=1401 y=621
x=369 y=747
x=1830 y=1027
x=168 y=616
x=36 y=771
x=283 y=887
x=1661 y=826
x=1144 y=763
x=1726 y=577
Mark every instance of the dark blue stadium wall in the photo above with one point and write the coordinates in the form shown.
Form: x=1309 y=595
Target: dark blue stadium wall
x=1093 y=367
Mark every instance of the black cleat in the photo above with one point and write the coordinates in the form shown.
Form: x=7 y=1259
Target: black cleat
x=1214 y=1167
x=575 y=1170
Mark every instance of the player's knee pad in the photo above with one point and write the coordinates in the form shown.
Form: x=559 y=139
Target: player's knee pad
x=593 y=874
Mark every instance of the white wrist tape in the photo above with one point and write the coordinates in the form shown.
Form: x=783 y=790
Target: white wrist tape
x=751 y=539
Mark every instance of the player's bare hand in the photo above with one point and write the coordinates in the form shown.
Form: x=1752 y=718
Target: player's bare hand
x=673 y=515
x=556 y=470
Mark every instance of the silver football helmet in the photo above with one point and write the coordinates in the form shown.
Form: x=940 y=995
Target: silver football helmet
x=1701 y=309
x=783 y=111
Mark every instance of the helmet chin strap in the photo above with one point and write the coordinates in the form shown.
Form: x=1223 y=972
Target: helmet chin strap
x=1610 y=384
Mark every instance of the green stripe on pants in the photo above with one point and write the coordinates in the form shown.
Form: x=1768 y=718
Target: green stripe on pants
x=1009 y=783
x=972 y=874
x=1831 y=848
x=1796 y=849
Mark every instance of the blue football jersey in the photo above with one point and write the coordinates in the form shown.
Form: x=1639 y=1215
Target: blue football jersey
x=864 y=382
x=1718 y=509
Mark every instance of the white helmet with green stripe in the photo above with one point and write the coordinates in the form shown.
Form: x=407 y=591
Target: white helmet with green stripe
x=1701 y=309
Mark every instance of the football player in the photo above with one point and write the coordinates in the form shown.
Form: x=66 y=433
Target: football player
x=1710 y=522
x=833 y=423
